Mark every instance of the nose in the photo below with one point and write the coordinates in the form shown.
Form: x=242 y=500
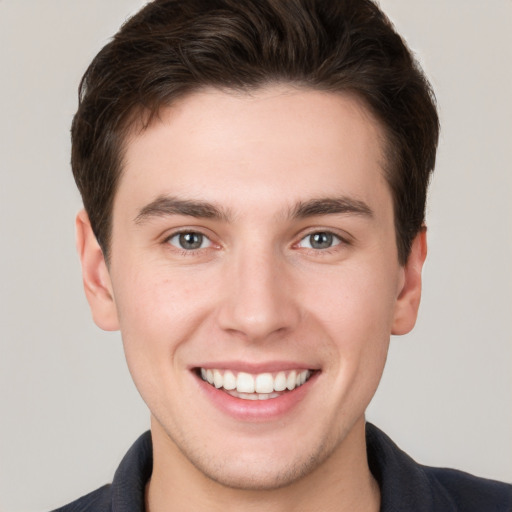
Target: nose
x=259 y=302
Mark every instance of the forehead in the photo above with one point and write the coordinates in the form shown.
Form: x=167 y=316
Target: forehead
x=239 y=149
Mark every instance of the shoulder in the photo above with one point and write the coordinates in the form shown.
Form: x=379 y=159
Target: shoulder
x=406 y=485
x=96 y=501
x=126 y=492
x=471 y=493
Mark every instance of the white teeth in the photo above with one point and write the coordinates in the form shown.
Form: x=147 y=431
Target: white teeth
x=280 y=382
x=217 y=379
x=245 y=383
x=264 y=383
x=255 y=387
x=266 y=396
x=229 y=381
x=254 y=396
x=291 y=381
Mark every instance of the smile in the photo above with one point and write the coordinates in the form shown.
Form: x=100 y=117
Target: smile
x=262 y=386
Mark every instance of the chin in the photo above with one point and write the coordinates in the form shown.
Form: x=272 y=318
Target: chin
x=257 y=475
x=260 y=468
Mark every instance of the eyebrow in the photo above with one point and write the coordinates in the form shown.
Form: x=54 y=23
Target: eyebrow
x=167 y=205
x=331 y=206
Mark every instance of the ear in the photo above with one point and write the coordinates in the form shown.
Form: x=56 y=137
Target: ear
x=95 y=275
x=408 y=301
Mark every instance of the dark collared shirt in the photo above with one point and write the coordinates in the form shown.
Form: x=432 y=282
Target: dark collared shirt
x=405 y=485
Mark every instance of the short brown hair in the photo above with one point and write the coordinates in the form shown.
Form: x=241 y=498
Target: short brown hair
x=173 y=47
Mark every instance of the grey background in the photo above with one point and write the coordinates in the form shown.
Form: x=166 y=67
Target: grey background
x=68 y=408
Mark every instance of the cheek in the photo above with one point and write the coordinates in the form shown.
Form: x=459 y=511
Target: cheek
x=153 y=299
x=356 y=313
x=355 y=300
x=158 y=314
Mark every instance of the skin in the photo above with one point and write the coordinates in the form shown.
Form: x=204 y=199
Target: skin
x=256 y=292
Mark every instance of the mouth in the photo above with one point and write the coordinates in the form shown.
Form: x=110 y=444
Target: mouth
x=261 y=386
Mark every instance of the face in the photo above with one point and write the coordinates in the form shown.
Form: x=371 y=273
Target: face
x=255 y=279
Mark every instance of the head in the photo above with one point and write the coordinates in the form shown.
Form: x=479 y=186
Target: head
x=254 y=173
x=172 y=48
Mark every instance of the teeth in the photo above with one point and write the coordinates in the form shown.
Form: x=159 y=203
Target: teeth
x=229 y=381
x=291 y=381
x=254 y=396
x=255 y=387
x=280 y=381
x=218 y=380
x=264 y=383
x=245 y=383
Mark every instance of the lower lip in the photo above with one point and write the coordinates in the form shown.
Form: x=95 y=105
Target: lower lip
x=256 y=410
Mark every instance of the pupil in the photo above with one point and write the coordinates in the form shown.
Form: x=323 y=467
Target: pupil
x=321 y=240
x=191 y=240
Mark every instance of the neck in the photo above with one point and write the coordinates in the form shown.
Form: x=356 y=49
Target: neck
x=341 y=483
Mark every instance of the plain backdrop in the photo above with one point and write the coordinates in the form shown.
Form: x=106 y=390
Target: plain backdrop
x=69 y=410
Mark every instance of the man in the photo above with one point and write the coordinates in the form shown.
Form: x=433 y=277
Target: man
x=254 y=176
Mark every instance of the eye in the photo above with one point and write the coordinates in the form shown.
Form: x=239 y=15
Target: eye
x=189 y=240
x=319 y=240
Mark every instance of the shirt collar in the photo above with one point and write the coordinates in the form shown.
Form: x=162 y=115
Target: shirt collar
x=404 y=484
x=132 y=475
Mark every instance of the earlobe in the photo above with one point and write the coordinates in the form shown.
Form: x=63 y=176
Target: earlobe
x=95 y=275
x=408 y=300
